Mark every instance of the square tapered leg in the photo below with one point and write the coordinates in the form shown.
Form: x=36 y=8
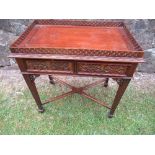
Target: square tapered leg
x=29 y=79
x=121 y=89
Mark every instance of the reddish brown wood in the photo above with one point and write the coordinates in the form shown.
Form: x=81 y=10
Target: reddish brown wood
x=33 y=89
x=95 y=100
x=122 y=87
x=58 y=97
x=76 y=57
x=77 y=37
x=77 y=48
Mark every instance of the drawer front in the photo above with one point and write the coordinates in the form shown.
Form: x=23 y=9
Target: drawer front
x=49 y=65
x=102 y=68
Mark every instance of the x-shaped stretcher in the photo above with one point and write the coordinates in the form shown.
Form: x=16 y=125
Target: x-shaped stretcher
x=79 y=90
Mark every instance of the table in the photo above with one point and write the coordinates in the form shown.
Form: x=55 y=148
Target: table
x=77 y=48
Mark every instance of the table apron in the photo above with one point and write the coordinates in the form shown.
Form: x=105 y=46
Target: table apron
x=74 y=67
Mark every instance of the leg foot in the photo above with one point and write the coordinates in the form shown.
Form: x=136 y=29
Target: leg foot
x=51 y=81
x=106 y=82
x=110 y=115
x=105 y=85
x=41 y=110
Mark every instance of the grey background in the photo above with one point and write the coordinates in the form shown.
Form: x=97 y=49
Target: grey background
x=142 y=29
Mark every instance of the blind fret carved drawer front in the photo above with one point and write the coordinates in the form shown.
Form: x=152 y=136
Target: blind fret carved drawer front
x=49 y=65
x=102 y=68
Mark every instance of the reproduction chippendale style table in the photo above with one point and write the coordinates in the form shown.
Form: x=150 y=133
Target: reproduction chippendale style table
x=77 y=47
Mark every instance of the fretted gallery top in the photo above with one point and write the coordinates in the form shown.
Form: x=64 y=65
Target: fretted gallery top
x=77 y=37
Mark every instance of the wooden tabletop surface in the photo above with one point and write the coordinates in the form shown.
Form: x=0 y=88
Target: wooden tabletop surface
x=77 y=37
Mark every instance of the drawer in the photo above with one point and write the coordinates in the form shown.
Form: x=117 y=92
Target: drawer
x=96 y=68
x=49 y=65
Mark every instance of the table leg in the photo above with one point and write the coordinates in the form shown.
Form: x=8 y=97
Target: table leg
x=29 y=79
x=122 y=87
x=106 y=82
x=51 y=79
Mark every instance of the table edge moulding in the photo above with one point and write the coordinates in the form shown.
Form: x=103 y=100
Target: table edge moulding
x=77 y=48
